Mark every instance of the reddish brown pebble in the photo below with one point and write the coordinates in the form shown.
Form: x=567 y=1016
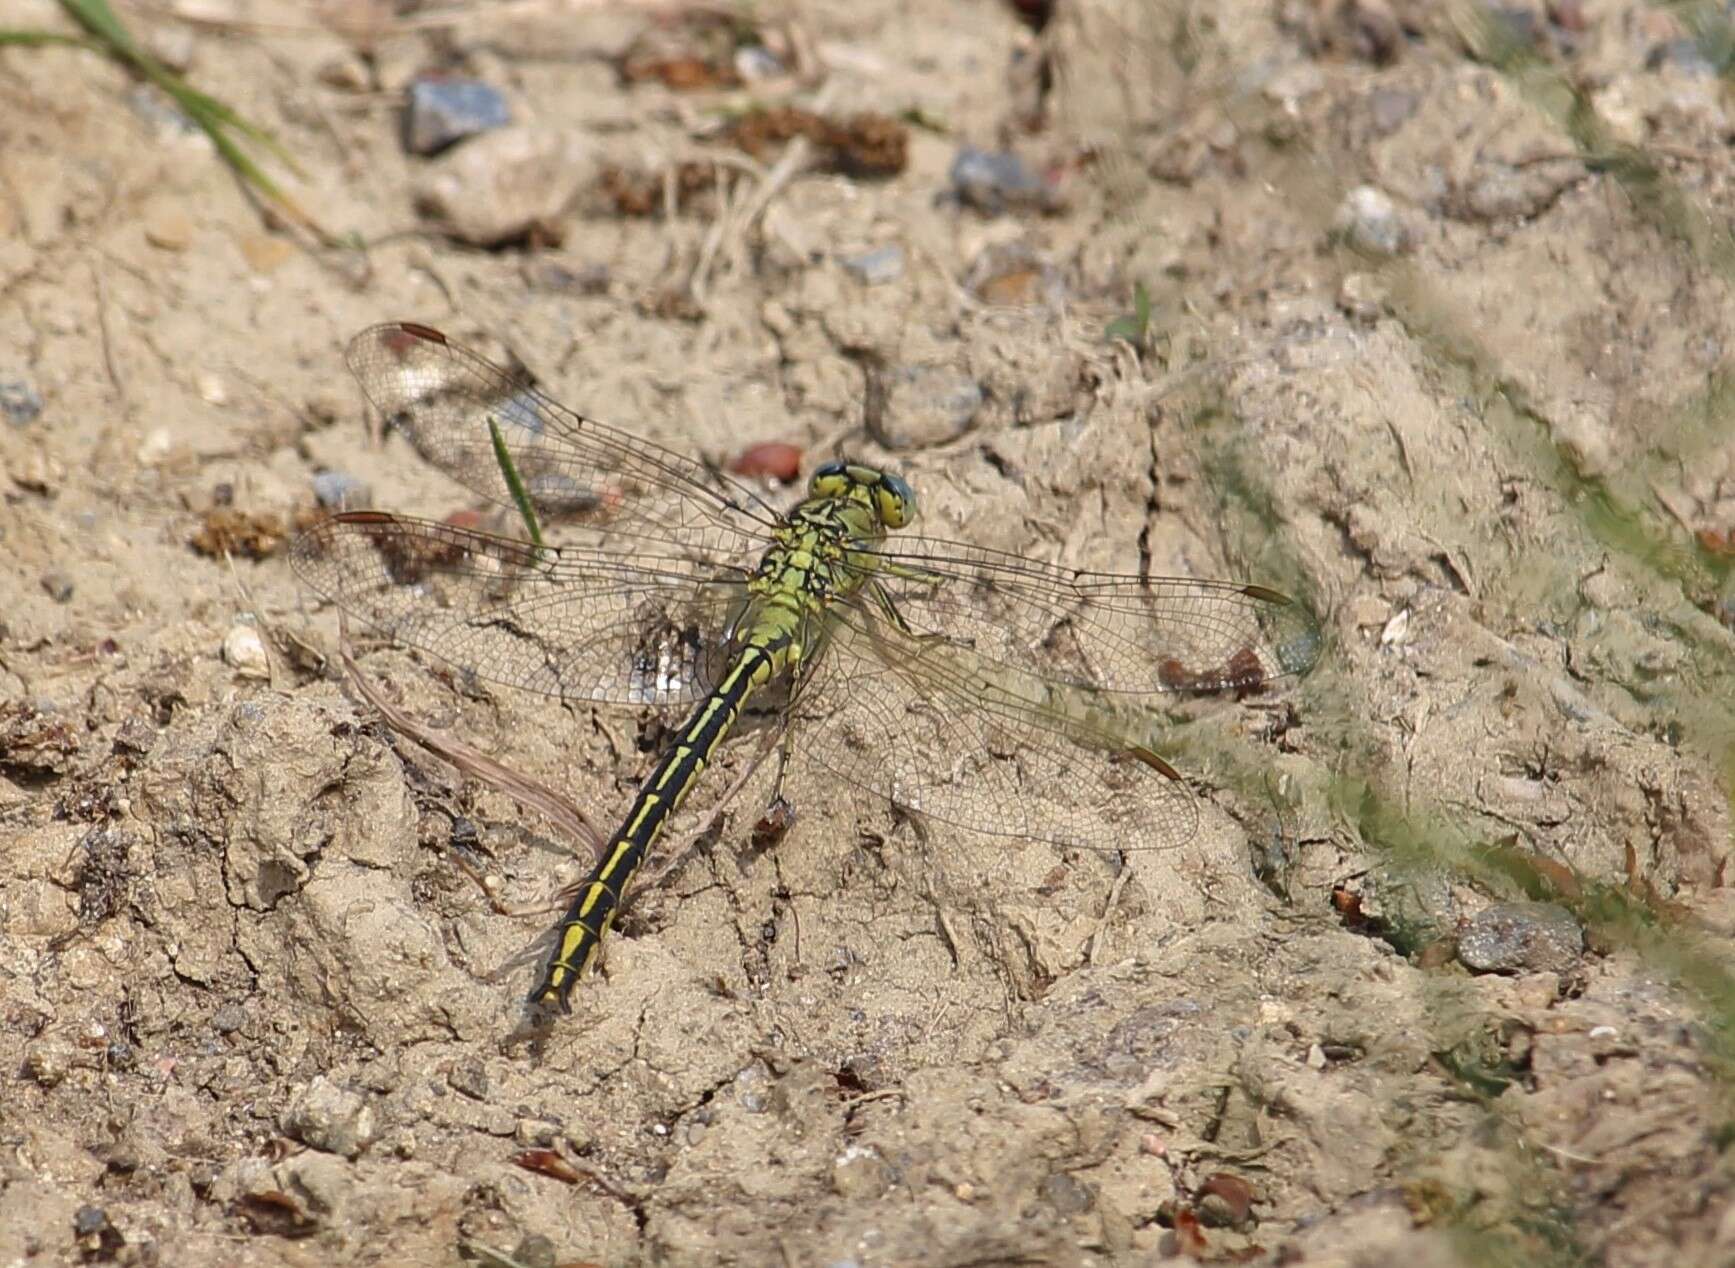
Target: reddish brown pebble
x=773 y=460
x=1235 y=1193
x=465 y=519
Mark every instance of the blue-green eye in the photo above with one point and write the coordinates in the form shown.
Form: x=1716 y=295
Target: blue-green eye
x=829 y=479
x=895 y=500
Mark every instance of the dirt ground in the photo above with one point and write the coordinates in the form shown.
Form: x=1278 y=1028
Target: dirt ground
x=1438 y=339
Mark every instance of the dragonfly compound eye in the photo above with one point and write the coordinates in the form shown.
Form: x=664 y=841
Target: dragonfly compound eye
x=895 y=500
x=829 y=480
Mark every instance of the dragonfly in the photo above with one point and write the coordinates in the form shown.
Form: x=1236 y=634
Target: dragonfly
x=964 y=685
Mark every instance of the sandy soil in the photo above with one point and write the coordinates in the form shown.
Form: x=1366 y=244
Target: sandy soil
x=1436 y=342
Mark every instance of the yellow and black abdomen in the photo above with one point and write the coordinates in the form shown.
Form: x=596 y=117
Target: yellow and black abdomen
x=588 y=918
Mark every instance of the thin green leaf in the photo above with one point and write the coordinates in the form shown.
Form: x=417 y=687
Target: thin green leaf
x=520 y=497
x=31 y=39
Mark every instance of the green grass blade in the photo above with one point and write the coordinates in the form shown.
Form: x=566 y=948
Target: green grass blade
x=212 y=116
x=520 y=497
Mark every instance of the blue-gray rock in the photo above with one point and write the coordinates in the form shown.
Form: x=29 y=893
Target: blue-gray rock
x=339 y=491
x=20 y=402
x=441 y=112
x=876 y=267
x=996 y=180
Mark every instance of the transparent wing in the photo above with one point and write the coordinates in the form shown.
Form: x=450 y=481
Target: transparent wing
x=1013 y=698
x=607 y=485
x=1105 y=631
x=939 y=731
x=566 y=621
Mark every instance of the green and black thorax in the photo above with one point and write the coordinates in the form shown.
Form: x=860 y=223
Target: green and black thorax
x=824 y=551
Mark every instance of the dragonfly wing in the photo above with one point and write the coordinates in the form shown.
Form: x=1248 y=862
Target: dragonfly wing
x=1107 y=631
x=939 y=731
x=563 y=621
x=576 y=471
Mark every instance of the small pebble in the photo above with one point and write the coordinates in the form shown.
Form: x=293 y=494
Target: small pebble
x=330 y=1118
x=265 y=252
x=173 y=46
x=877 y=267
x=582 y=279
x=346 y=72
x=860 y=1174
x=98 y=1239
x=58 y=585
x=1686 y=55
x=337 y=490
x=753 y=1089
x=47 y=1062
x=158 y=109
x=212 y=390
x=244 y=652
x=1368 y=220
x=1521 y=938
x=996 y=180
x=755 y=63
x=773 y=460
x=169 y=230
x=441 y=112
x=1225 y=1200
x=20 y=403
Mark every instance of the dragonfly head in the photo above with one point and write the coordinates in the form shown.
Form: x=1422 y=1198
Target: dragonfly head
x=890 y=495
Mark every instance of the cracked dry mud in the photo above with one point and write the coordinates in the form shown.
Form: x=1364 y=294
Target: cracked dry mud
x=253 y=1010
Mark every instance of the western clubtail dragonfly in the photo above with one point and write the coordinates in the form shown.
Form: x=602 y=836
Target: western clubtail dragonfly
x=970 y=686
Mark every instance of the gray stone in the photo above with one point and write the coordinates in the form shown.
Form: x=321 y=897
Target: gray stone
x=876 y=267
x=20 y=402
x=1521 y=938
x=440 y=112
x=338 y=491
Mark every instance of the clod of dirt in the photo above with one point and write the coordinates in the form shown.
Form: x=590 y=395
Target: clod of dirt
x=687 y=52
x=506 y=186
x=1012 y=275
x=327 y=1117
x=650 y=193
x=863 y=145
x=229 y=530
x=917 y=406
x=33 y=744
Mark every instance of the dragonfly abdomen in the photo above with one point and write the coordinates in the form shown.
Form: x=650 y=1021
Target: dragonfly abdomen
x=593 y=910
